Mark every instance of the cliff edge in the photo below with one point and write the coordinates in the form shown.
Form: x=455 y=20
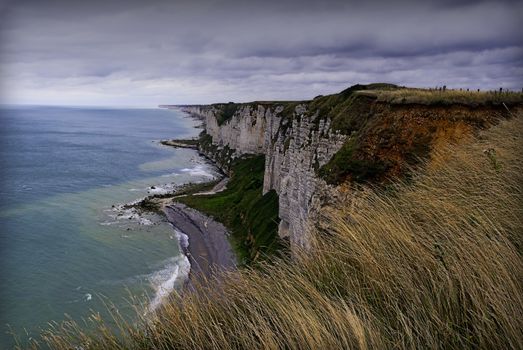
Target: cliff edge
x=317 y=150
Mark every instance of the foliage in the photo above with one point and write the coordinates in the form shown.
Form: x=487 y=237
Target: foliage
x=222 y=156
x=191 y=188
x=445 y=97
x=343 y=165
x=251 y=216
x=226 y=112
x=348 y=110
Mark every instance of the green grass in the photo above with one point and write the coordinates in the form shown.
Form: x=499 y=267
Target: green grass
x=191 y=188
x=153 y=203
x=222 y=156
x=349 y=110
x=361 y=112
x=446 y=97
x=344 y=165
x=227 y=110
x=251 y=217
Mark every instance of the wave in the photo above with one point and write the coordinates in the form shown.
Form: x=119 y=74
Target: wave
x=183 y=239
x=164 y=281
x=198 y=170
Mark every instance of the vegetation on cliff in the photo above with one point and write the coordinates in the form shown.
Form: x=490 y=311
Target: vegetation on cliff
x=251 y=217
x=225 y=112
x=433 y=263
x=390 y=129
x=344 y=164
x=445 y=97
x=222 y=156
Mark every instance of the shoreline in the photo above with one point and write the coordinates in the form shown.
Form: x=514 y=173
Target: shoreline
x=208 y=248
x=201 y=239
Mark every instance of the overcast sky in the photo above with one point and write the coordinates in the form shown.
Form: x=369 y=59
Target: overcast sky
x=145 y=53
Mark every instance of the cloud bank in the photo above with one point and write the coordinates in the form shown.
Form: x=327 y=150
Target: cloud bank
x=144 y=53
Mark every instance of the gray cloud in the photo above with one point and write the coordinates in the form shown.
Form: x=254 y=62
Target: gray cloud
x=147 y=53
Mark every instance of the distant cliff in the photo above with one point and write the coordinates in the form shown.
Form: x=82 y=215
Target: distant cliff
x=317 y=149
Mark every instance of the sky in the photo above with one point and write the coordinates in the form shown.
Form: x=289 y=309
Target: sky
x=145 y=53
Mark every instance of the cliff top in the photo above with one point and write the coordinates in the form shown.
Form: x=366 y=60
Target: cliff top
x=350 y=101
x=395 y=94
x=389 y=127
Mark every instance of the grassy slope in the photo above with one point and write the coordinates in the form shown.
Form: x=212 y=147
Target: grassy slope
x=447 y=97
x=391 y=127
x=251 y=216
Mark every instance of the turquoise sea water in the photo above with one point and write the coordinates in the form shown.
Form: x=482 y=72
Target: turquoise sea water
x=64 y=248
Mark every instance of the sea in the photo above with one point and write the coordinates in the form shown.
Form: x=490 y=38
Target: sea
x=68 y=244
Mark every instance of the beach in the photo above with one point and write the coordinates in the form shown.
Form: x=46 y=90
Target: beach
x=208 y=248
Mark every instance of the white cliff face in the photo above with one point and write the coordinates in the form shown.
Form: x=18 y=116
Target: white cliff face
x=245 y=132
x=290 y=165
x=201 y=112
x=294 y=148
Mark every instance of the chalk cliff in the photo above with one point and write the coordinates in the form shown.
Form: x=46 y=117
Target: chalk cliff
x=311 y=147
x=294 y=148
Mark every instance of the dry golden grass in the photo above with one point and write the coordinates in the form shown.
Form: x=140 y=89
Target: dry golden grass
x=448 y=97
x=435 y=263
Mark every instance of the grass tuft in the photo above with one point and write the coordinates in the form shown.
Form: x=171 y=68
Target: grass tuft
x=445 y=97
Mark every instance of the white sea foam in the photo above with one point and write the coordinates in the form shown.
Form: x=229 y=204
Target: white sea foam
x=127 y=215
x=157 y=190
x=183 y=239
x=122 y=213
x=109 y=223
x=198 y=170
x=170 y=174
x=164 y=281
x=161 y=189
x=145 y=222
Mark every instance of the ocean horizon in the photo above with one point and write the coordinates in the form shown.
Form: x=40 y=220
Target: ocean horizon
x=69 y=245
